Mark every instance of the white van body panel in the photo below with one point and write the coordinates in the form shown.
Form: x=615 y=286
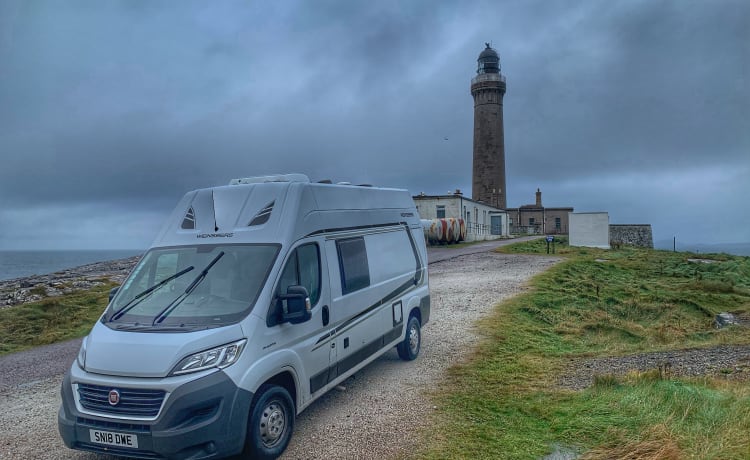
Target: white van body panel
x=137 y=354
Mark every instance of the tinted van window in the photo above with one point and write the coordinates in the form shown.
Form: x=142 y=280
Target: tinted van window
x=355 y=273
x=302 y=269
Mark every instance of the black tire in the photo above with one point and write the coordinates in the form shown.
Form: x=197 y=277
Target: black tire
x=409 y=348
x=271 y=423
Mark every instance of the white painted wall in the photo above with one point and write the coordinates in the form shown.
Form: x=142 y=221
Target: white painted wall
x=477 y=216
x=590 y=229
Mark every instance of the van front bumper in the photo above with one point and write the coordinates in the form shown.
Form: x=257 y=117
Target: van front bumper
x=204 y=418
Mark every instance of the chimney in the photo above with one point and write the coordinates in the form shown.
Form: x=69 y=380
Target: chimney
x=538 y=198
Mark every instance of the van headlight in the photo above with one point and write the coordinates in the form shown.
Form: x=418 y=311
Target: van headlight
x=81 y=358
x=219 y=357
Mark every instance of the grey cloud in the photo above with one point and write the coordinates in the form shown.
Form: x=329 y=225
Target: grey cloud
x=130 y=104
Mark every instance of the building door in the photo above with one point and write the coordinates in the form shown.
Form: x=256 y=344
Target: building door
x=497 y=225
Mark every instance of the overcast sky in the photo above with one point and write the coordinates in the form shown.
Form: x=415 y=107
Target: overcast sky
x=111 y=110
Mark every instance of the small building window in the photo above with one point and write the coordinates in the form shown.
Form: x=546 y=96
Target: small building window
x=558 y=223
x=531 y=221
x=440 y=211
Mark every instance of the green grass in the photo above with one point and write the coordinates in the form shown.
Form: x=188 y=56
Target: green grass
x=505 y=403
x=51 y=320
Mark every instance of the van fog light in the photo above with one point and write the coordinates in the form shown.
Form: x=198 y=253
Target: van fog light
x=219 y=357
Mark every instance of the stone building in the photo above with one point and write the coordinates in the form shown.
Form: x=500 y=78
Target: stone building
x=536 y=219
x=483 y=222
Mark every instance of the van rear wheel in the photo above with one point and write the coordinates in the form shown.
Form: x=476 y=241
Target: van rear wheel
x=409 y=348
x=271 y=423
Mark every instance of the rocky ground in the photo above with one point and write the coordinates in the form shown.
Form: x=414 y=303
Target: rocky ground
x=32 y=288
x=723 y=362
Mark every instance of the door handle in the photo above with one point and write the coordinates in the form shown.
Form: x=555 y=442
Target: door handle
x=326 y=315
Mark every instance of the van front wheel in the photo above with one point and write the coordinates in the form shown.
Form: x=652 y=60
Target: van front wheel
x=271 y=423
x=409 y=348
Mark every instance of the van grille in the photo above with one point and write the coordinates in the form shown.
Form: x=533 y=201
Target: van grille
x=133 y=401
x=113 y=426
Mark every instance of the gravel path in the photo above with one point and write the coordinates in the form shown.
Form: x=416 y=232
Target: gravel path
x=376 y=414
x=728 y=362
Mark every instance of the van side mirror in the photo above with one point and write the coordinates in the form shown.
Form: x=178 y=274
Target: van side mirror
x=295 y=305
x=112 y=292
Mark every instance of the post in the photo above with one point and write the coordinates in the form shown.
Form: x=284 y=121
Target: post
x=674 y=244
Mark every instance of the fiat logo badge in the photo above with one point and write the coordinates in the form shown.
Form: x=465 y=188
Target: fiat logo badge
x=114 y=397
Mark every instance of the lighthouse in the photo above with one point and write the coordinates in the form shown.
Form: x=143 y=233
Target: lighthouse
x=488 y=166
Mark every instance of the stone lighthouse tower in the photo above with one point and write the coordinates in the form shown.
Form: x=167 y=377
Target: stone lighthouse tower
x=488 y=89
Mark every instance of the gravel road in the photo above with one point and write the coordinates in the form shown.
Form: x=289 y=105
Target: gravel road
x=377 y=413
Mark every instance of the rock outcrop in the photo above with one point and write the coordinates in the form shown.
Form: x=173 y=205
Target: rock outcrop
x=33 y=288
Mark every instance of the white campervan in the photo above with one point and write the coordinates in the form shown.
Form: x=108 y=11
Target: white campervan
x=254 y=300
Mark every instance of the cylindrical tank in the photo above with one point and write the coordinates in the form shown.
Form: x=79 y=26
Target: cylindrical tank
x=454 y=234
x=462 y=226
x=434 y=231
x=426 y=229
x=450 y=234
x=441 y=231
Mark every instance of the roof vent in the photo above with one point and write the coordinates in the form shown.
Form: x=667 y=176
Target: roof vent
x=275 y=178
x=188 y=223
x=263 y=215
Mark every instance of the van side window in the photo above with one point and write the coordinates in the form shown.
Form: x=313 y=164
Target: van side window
x=355 y=273
x=302 y=269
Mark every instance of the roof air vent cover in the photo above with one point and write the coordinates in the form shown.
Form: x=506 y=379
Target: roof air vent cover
x=263 y=215
x=188 y=223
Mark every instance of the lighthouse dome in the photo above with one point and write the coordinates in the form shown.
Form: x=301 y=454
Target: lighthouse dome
x=488 y=61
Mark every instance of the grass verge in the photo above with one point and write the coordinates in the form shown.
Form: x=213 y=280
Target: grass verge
x=51 y=320
x=504 y=402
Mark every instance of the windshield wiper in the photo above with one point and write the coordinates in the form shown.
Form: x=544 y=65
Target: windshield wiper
x=162 y=315
x=142 y=295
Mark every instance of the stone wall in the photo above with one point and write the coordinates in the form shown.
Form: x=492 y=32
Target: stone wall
x=631 y=235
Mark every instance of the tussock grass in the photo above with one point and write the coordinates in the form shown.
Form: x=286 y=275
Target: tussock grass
x=504 y=402
x=51 y=320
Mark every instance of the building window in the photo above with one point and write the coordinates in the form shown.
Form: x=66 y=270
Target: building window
x=531 y=221
x=558 y=223
x=440 y=211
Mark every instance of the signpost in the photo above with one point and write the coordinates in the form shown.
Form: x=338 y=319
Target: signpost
x=550 y=239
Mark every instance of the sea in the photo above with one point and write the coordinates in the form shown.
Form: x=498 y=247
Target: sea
x=21 y=263
x=737 y=249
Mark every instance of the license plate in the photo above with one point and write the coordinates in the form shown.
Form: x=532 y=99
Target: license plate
x=114 y=439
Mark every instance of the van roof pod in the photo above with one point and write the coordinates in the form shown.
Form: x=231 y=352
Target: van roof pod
x=272 y=178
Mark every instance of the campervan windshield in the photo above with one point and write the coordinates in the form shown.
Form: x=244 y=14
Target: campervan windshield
x=191 y=287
